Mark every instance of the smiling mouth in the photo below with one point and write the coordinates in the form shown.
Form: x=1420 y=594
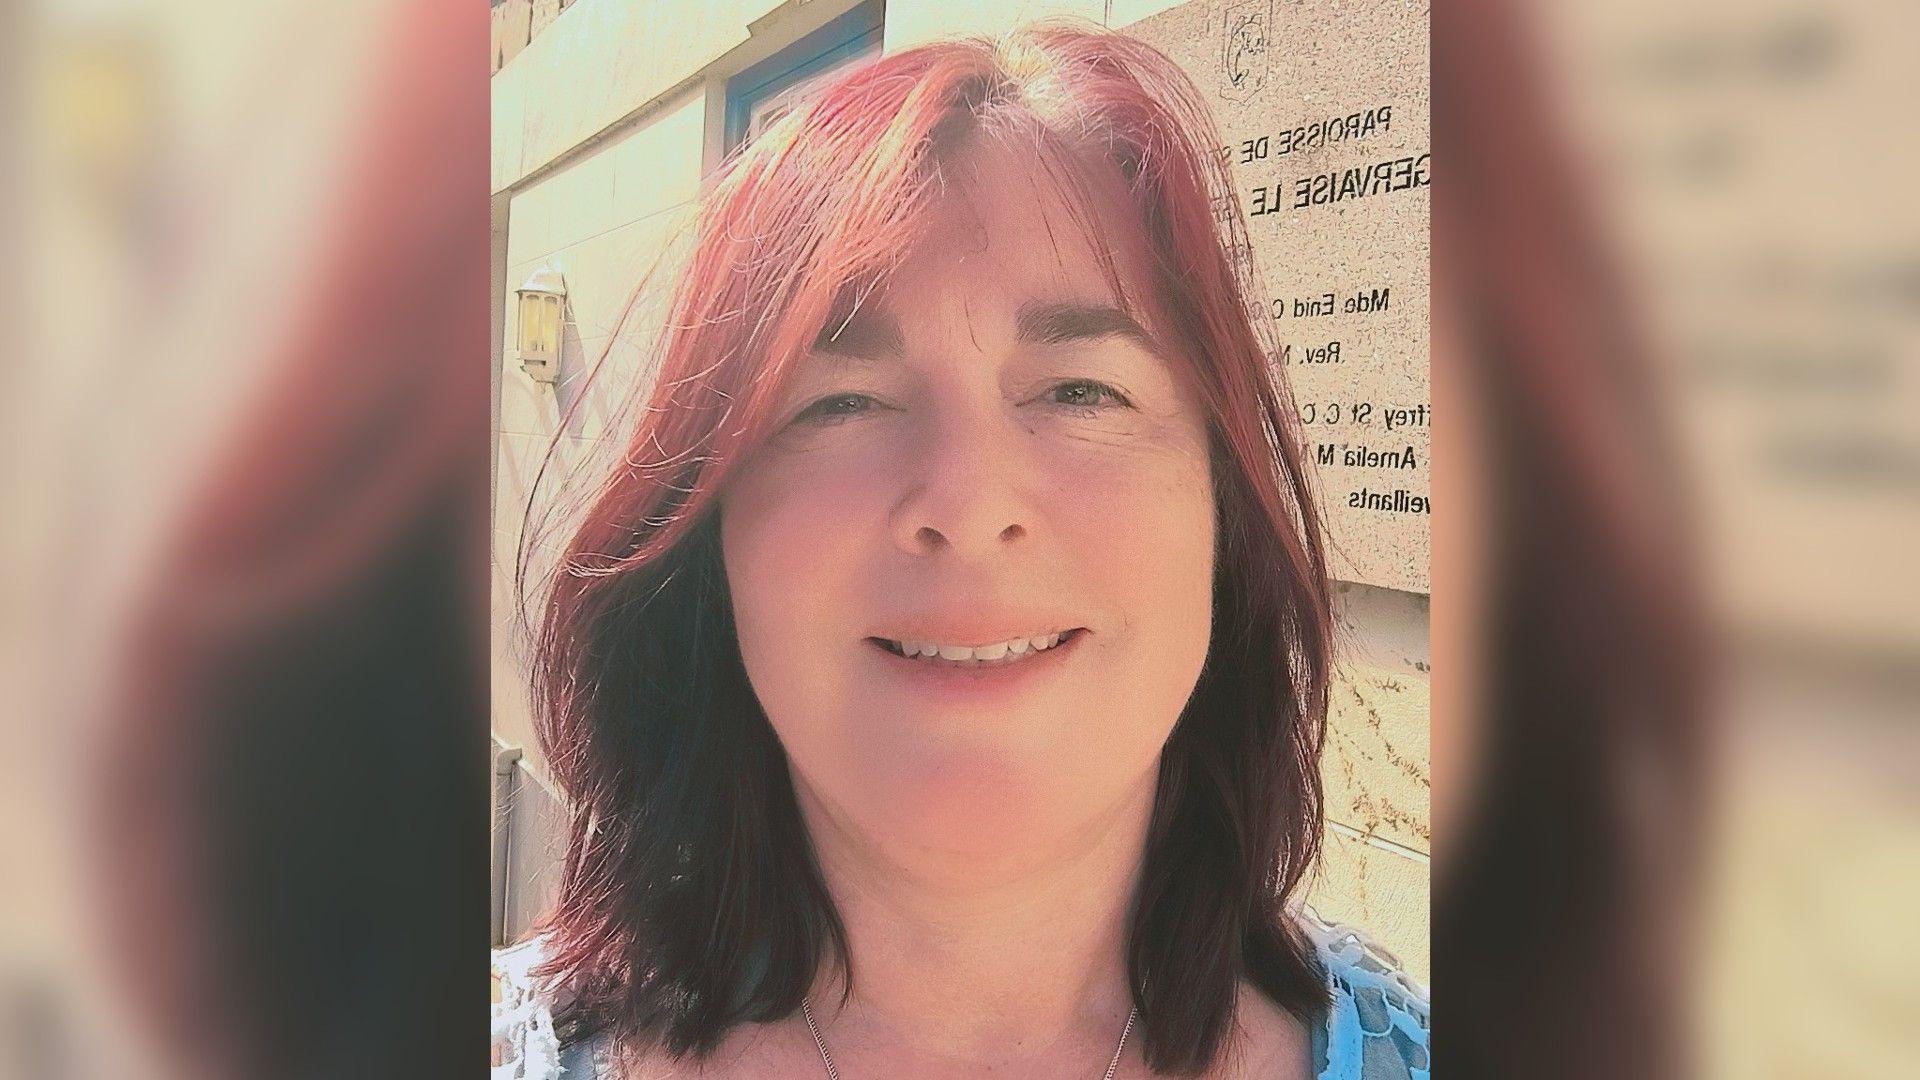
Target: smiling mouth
x=1010 y=651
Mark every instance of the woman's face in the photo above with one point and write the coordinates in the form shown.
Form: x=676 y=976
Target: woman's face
x=991 y=461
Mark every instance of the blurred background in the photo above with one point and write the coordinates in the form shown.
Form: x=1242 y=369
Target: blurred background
x=1677 y=367
x=252 y=482
x=245 y=488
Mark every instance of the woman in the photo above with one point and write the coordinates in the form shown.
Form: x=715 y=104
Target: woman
x=939 y=682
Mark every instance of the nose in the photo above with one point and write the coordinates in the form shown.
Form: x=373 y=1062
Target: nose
x=964 y=494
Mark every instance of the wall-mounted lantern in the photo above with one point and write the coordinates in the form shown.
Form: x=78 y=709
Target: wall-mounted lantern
x=543 y=303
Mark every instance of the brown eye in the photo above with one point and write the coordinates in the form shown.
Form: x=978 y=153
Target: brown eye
x=1087 y=394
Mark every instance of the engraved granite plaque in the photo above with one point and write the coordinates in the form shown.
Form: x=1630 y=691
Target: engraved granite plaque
x=1323 y=108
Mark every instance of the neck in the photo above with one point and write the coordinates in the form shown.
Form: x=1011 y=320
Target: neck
x=986 y=958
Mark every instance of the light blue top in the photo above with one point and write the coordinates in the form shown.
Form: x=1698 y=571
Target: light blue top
x=1376 y=1029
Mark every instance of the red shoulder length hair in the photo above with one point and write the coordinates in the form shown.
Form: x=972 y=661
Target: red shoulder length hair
x=691 y=900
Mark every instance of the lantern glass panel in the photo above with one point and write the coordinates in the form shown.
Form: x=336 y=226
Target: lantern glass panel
x=537 y=324
x=550 y=326
x=529 y=322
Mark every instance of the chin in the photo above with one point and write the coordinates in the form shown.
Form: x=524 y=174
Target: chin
x=968 y=801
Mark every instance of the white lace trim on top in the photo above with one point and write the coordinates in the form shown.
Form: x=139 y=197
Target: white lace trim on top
x=524 y=1044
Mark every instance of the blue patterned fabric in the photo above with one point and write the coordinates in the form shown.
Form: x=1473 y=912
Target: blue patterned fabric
x=1376 y=1029
x=1378 y=1018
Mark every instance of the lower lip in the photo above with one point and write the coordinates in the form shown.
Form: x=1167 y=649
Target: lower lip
x=968 y=676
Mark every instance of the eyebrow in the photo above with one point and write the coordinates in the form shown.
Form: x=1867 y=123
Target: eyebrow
x=877 y=334
x=1061 y=323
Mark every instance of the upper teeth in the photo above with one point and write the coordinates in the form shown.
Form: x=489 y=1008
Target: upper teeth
x=998 y=650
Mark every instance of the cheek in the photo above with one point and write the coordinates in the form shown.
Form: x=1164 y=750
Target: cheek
x=793 y=519
x=780 y=587
x=797 y=543
x=1139 y=531
x=1151 y=499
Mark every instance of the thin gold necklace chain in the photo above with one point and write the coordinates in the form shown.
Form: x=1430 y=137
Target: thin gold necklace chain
x=834 y=1074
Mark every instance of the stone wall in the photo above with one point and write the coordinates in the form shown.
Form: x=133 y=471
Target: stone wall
x=517 y=22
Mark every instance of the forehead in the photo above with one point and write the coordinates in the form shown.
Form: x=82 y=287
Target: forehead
x=1014 y=223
